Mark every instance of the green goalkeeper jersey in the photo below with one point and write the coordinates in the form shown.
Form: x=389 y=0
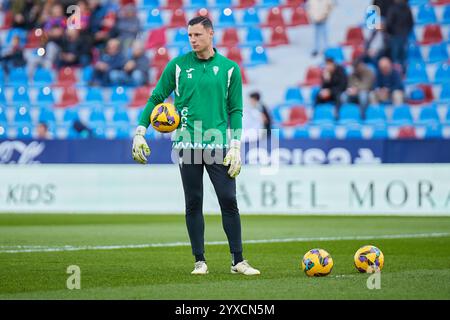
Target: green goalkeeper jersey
x=208 y=97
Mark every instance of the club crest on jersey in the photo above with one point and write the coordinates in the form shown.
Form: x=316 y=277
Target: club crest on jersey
x=215 y=69
x=189 y=74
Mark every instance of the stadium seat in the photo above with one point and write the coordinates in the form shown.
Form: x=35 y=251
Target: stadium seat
x=122 y=131
x=222 y=4
x=234 y=53
x=94 y=96
x=70 y=115
x=268 y=3
x=442 y=74
x=375 y=115
x=184 y=50
x=86 y=75
x=323 y=114
x=3 y=118
x=47 y=116
x=24 y=132
x=414 y=53
x=433 y=131
x=18 y=77
x=16 y=32
x=69 y=97
x=379 y=131
x=178 y=19
x=278 y=37
x=20 y=96
x=297 y=116
x=401 y=115
x=173 y=4
x=253 y=38
x=230 y=38
x=7 y=20
x=418 y=2
x=446 y=15
x=353 y=132
x=336 y=53
x=66 y=77
x=121 y=116
x=42 y=77
x=154 y=19
x=428 y=116
x=274 y=18
x=196 y=4
x=226 y=19
x=243 y=75
x=250 y=18
x=22 y=116
x=180 y=39
x=444 y=96
x=45 y=97
x=149 y=4
x=432 y=34
x=349 y=113
x=2 y=76
x=354 y=37
x=156 y=39
x=119 y=97
x=258 y=56
x=298 y=17
x=2 y=97
x=438 y=53
x=425 y=15
x=407 y=132
x=327 y=131
x=245 y=3
x=293 y=3
x=416 y=73
x=34 y=38
x=161 y=58
x=428 y=91
x=97 y=118
x=416 y=96
x=140 y=97
x=313 y=76
x=293 y=95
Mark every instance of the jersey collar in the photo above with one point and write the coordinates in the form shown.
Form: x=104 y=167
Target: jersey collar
x=203 y=60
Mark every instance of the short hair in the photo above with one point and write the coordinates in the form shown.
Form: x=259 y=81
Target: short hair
x=255 y=95
x=330 y=59
x=203 y=20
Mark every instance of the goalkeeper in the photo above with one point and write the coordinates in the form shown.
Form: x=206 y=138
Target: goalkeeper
x=208 y=96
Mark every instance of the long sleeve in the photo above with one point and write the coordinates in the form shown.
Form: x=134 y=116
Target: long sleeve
x=235 y=103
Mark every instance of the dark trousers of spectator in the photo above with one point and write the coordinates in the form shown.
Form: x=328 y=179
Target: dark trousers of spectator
x=398 y=45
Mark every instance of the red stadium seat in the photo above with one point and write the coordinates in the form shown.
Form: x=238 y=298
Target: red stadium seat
x=278 y=37
x=34 y=38
x=230 y=38
x=7 y=21
x=428 y=90
x=358 y=51
x=297 y=116
x=354 y=37
x=160 y=58
x=313 y=76
x=275 y=18
x=140 y=97
x=407 y=132
x=299 y=17
x=156 y=39
x=293 y=3
x=246 y=3
x=174 y=4
x=234 y=53
x=69 y=98
x=66 y=77
x=432 y=34
x=243 y=75
x=204 y=13
x=178 y=19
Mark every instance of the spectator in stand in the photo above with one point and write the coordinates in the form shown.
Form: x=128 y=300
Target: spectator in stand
x=42 y=132
x=101 y=22
x=83 y=22
x=109 y=69
x=56 y=19
x=73 y=50
x=127 y=26
x=360 y=84
x=26 y=13
x=384 y=6
x=334 y=83
x=318 y=12
x=13 y=57
x=255 y=101
x=137 y=67
x=388 y=86
x=399 y=24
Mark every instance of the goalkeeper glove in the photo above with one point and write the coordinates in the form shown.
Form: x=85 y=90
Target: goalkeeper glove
x=233 y=158
x=140 y=148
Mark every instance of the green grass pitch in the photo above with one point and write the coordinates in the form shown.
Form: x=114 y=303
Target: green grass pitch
x=415 y=267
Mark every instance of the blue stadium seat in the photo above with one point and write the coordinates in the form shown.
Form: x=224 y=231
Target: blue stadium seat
x=433 y=131
x=222 y=4
x=253 y=37
x=375 y=115
x=3 y=118
x=70 y=115
x=18 y=77
x=250 y=18
x=349 y=113
x=22 y=116
x=418 y=2
x=180 y=39
x=268 y=3
x=154 y=19
x=149 y=4
x=184 y=50
x=47 y=116
x=444 y=96
x=97 y=117
x=336 y=53
x=416 y=73
x=442 y=74
x=20 y=96
x=323 y=114
x=293 y=95
x=446 y=15
x=45 y=97
x=94 y=96
x=3 y=133
x=2 y=76
x=313 y=93
x=414 y=53
x=42 y=77
x=327 y=131
x=438 y=52
x=121 y=116
x=401 y=116
x=86 y=75
x=2 y=97
x=13 y=32
x=425 y=15
x=301 y=132
x=122 y=131
x=417 y=95
x=412 y=38
x=353 y=132
x=226 y=19
x=258 y=56
x=196 y=4
x=24 y=131
x=119 y=97
x=428 y=115
x=379 y=132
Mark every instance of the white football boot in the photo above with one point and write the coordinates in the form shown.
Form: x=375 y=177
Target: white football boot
x=244 y=268
x=200 y=267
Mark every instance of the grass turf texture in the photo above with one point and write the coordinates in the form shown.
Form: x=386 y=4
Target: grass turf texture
x=415 y=268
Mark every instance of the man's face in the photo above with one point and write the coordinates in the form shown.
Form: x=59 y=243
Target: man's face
x=199 y=37
x=385 y=66
x=330 y=66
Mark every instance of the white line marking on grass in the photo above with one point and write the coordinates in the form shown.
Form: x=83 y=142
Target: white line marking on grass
x=32 y=248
